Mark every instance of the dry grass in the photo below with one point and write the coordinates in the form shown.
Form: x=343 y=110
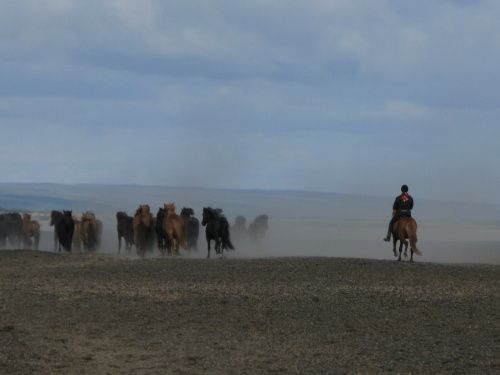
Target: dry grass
x=99 y=315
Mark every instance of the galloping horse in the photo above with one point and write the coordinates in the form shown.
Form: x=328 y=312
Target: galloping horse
x=163 y=244
x=89 y=231
x=55 y=217
x=11 y=229
x=405 y=228
x=77 y=234
x=191 y=227
x=124 y=227
x=258 y=228
x=173 y=227
x=143 y=229
x=31 y=229
x=217 y=229
x=64 y=228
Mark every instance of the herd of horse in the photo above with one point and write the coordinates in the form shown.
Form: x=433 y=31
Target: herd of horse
x=171 y=231
x=16 y=230
x=167 y=230
x=73 y=233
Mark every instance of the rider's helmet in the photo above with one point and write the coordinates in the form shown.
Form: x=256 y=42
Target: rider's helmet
x=404 y=188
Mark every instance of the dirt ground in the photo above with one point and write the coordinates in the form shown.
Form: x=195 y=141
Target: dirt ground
x=74 y=314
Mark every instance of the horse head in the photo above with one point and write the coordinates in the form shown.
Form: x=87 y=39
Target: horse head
x=240 y=222
x=145 y=214
x=88 y=216
x=206 y=215
x=186 y=212
x=54 y=217
x=169 y=208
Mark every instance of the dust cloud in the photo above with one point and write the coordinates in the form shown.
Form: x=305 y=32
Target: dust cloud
x=300 y=223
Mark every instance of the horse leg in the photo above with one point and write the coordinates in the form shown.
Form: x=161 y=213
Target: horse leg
x=119 y=243
x=176 y=245
x=400 y=250
x=405 y=242
x=218 y=246
x=168 y=244
x=411 y=255
x=394 y=241
x=161 y=245
x=208 y=243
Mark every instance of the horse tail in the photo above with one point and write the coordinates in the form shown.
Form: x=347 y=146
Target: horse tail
x=227 y=240
x=413 y=241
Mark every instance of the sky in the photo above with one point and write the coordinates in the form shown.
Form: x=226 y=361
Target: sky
x=324 y=95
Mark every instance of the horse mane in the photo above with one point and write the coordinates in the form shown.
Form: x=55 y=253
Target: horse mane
x=143 y=209
x=187 y=212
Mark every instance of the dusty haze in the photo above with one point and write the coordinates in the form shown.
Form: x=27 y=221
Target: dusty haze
x=301 y=223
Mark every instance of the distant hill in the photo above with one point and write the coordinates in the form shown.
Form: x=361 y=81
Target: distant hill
x=287 y=204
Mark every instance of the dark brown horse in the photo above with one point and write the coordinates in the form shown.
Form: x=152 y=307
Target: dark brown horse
x=173 y=227
x=405 y=229
x=191 y=227
x=11 y=229
x=124 y=227
x=64 y=227
x=30 y=232
x=143 y=229
x=55 y=218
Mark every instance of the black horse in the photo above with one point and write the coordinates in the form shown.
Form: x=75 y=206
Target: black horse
x=64 y=228
x=191 y=228
x=11 y=227
x=217 y=229
x=125 y=230
x=55 y=217
x=163 y=244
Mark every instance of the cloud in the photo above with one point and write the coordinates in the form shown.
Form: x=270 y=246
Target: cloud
x=323 y=95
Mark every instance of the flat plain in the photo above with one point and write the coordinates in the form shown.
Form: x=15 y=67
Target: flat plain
x=103 y=314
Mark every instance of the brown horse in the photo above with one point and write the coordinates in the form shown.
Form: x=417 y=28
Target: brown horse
x=405 y=228
x=77 y=234
x=173 y=227
x=143 y=229
x=30 y=230
x=89 y=231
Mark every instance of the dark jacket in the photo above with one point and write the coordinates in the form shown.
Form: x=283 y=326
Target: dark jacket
x=403 y=204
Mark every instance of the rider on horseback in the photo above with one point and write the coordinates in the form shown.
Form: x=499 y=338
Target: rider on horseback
x=401 y=208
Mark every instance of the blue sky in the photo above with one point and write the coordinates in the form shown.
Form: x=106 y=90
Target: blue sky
x=339 y=95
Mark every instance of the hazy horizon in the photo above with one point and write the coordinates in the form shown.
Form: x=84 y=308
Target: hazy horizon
x=300 y=223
